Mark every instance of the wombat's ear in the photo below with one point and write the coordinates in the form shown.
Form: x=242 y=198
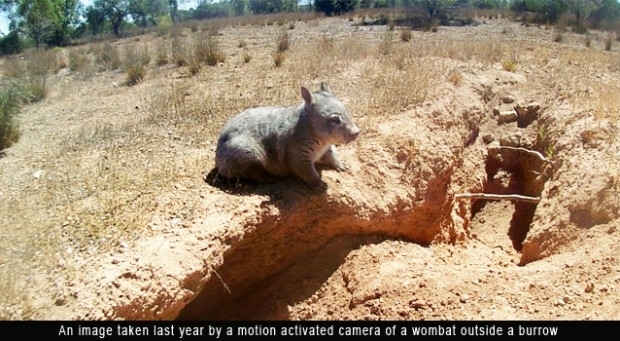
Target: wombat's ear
x=325 y=87
x=308 y=96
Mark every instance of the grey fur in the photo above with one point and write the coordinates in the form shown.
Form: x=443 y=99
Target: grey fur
x=264 y=143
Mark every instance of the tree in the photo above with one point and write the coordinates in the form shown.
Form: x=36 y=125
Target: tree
x=607 y=13
x=433 y=8
x=330 y=7
x=272 y=6
x=67 y=14
x=210 y=9
x=95 y=19
x=581 y=9
x=37 y=19
x=114 y=11
x=173 y=8
x=145 y=11
x=240 y=7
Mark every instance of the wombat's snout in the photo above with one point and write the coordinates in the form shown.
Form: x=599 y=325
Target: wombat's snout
x=354 y=132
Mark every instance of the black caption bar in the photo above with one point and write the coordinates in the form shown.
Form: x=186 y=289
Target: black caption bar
x=185 y=330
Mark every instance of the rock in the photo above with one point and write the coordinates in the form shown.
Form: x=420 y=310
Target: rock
x=507 y=116
x=527 y=114
x=488 y=138
x=508 y=99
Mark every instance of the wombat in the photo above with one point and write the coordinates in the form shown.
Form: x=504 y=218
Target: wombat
x=264 y=143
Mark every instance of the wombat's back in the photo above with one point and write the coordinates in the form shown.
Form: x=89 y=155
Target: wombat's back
x=252 y=143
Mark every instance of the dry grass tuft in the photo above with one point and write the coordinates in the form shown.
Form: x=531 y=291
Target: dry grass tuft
x=135 y=64
x=246 y=57
x=455 y=77
x=278 y=59
x=107 y=56
x=608 y=42
x=78 y=59
x=282 y=42
x=406 y=35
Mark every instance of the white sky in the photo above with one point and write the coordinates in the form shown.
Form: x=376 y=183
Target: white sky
x=4 y=22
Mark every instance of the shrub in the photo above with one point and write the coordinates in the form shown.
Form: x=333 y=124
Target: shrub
x=509 y=65
x=406 y=35
x=247 y=57
x=135 y=64
x=78 y=60
x=107 y=56
x=180 y=51
x=278 y=58
x=11 y=44
x=608 y=42
x=162 y=54
x=207 y=50
x=455 y=77
x=10 y=103
x=282 y=42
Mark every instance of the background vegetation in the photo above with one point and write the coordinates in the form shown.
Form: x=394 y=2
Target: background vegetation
x=62 y=22
x=49 y=24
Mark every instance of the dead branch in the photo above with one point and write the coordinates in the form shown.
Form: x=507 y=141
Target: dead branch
x=525 y=150
x=487 y=196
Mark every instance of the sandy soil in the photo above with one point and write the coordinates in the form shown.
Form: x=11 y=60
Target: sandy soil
x=390 y=238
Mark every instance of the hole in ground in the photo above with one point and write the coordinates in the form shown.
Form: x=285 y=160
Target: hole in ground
x=511 y=171
x=261 y=295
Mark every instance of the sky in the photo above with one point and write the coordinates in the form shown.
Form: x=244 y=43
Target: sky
x=4 y=22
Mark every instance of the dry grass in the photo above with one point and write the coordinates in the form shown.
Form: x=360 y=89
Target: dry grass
x=608 y=42
x=455 y=77
x=107 y=56
x=135 y=63
x=278 y=58
x=406 y=34
x=78 y=60
x=105 y=178
x=282 y=42
x=246 y=57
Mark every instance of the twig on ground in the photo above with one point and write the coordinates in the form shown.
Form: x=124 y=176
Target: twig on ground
x=221 y=280
x=487 y=196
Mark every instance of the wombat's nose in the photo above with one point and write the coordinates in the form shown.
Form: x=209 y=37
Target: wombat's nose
x=355 y=131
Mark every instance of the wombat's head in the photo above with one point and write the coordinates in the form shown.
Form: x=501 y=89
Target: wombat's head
x=329 y=118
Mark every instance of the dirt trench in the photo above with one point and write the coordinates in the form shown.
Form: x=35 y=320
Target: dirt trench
x=402 y=190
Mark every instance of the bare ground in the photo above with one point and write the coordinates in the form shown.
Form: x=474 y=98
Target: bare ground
x=388 y=240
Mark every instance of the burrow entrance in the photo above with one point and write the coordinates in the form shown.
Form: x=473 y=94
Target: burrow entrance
x=510 y=171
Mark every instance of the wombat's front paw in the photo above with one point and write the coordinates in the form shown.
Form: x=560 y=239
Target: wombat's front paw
x=340 y=167
x=318 y=185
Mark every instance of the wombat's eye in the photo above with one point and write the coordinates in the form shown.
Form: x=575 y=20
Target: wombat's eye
x=334 y=119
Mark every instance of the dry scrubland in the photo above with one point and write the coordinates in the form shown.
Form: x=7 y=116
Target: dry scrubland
x=116 y=153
